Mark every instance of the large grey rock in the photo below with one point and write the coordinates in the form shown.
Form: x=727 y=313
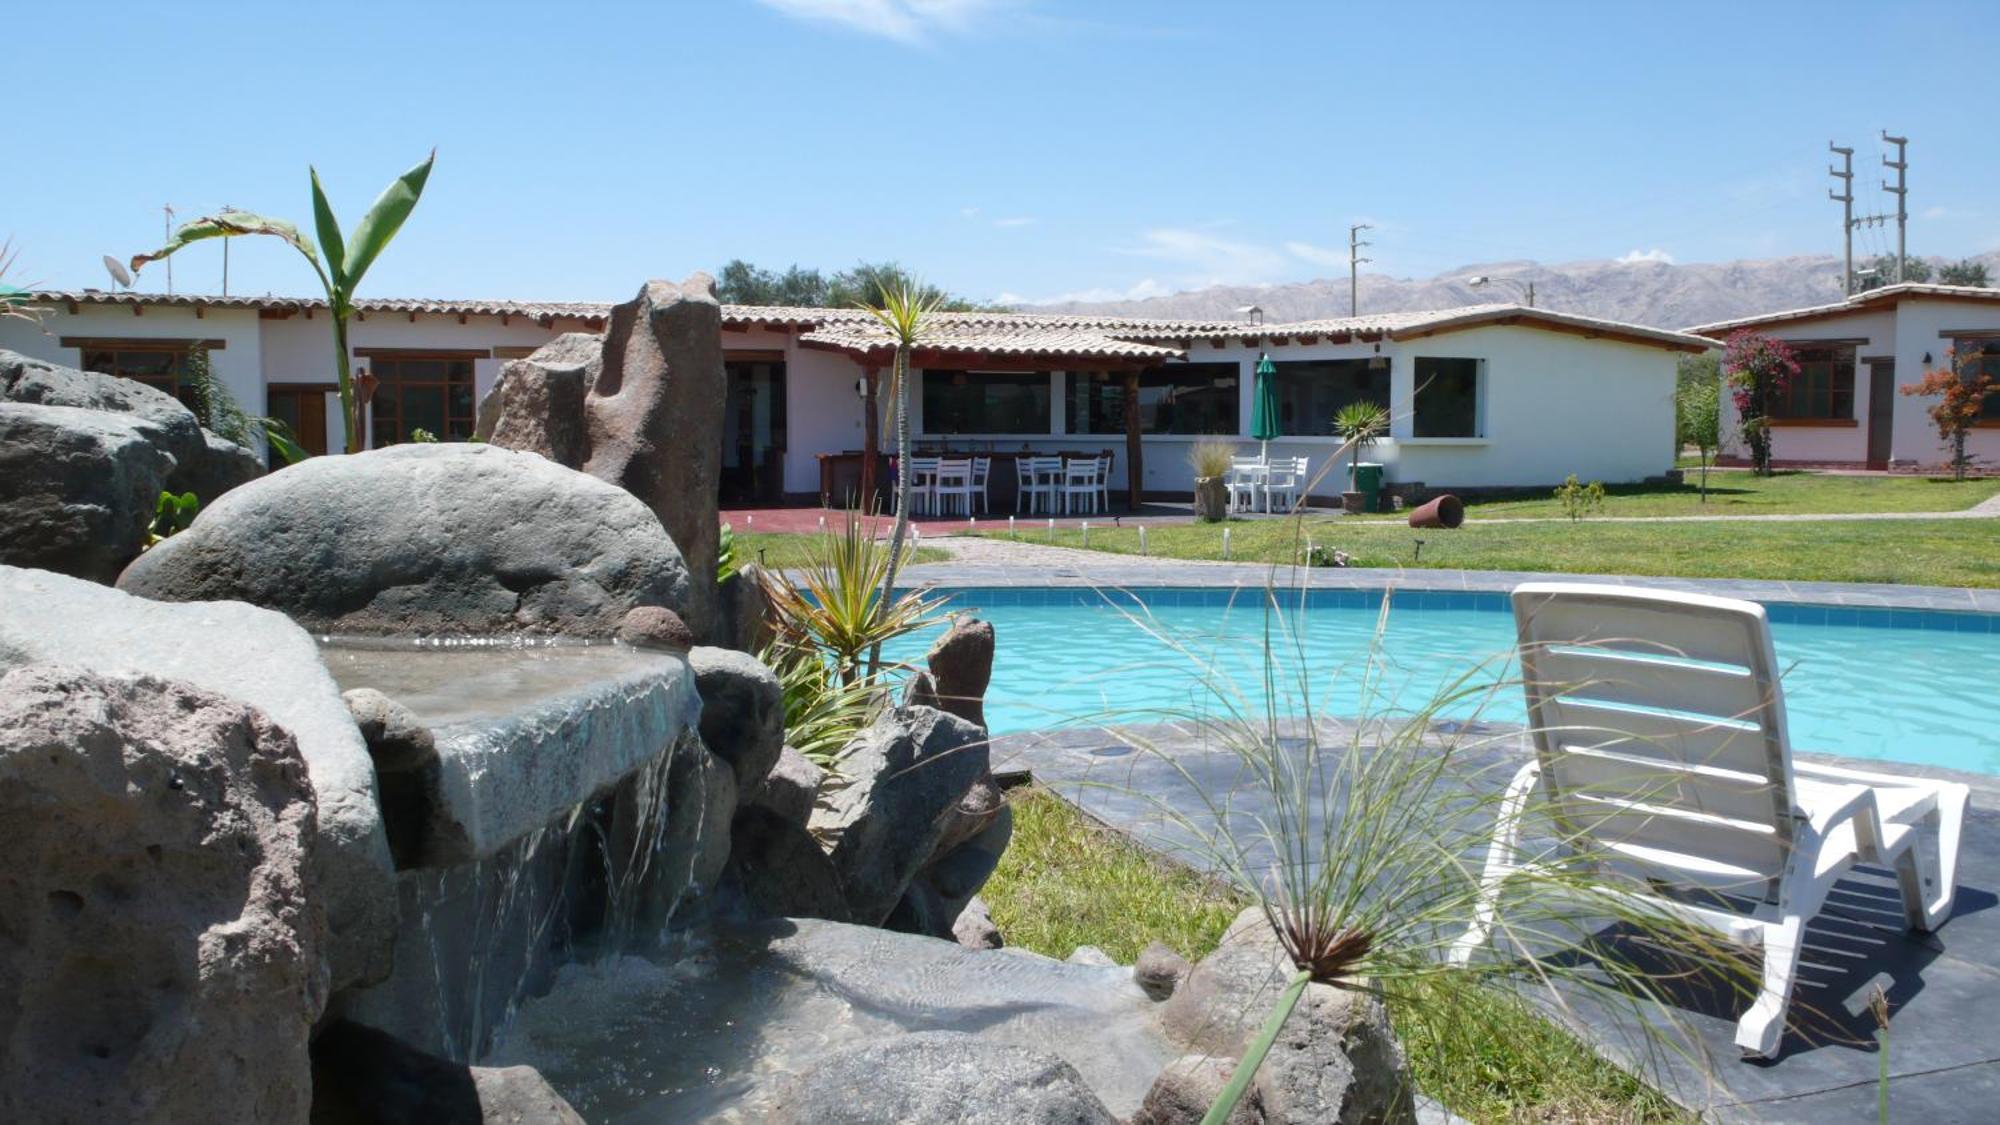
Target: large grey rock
x=203 y=463
x=397 y=740
x=259 y=658
x=163 y=952
x=940 y=1076
x=940 y=892
x=536 y=404
x=746 y=610
x=362 y=1076
x=961 y=667
x=1336 y=1059
x=77 y=489
x=417 y=539
x=783 y=871
x=655 y=417
x=1188 y=1086
x=906 y=775
x=742 y=711
x=791 y=789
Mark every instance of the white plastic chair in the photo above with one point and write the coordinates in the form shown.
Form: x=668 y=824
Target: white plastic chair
x=1246 y=483
x=1104 y=482
x=1661 y=751
x=1079 y=484
x=1048 y=482
x=923 y=481
x=952 y=488
x=982 y=472
x=1287 y=477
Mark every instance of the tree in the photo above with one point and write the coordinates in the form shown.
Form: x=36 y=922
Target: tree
x=1881 y=270
x=868 y=285
x=1698 y=412
x=344 y=263
x=1961 y=387
x=1965 y=272
x=1759 y=369
x=904 y=308
x=1359 y=424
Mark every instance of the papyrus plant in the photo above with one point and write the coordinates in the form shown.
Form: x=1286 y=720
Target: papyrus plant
x=339 y=264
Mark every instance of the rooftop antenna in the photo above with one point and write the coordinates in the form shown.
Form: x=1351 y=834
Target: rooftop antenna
x=169 y=225
x=119 y=275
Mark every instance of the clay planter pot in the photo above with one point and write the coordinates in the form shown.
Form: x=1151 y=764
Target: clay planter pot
x=1352 y=502
x=1211 y=500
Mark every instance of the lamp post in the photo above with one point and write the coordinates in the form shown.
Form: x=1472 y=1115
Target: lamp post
x=1483 y=280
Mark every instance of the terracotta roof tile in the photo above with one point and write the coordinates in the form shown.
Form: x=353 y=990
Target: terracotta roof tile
x=1870 y=299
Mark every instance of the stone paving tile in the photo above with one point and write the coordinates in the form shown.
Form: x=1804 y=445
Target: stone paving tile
x=1944 y=988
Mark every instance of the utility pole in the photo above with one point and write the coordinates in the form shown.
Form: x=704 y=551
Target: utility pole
x=168 y=222
x=1354 y=260
x=1902 y=193
x=1844 y=197
x=225 y=259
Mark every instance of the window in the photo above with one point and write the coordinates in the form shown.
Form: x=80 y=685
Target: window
x=1988 y=352
x=157 y=363
x=1447 y=398
x=1185 y=398
x=986 y=402
x=1823 y=389
x=427 y=392
x=1311 y=392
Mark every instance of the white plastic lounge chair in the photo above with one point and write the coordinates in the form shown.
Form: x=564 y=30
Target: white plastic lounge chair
x=1661 y=752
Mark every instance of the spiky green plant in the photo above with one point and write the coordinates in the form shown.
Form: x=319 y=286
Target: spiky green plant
x=16 y=300
x=1359 y=423
x=844 y=607
x=823 y=713
x=338 y=264
x=903 y=312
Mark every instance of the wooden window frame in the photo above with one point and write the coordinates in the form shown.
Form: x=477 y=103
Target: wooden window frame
x=384 y=392
x=1820 y=402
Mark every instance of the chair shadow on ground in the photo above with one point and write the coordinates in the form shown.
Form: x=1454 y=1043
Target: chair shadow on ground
x=1857 y=943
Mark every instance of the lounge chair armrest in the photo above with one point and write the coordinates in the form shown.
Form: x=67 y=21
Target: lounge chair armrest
x=1859 y=799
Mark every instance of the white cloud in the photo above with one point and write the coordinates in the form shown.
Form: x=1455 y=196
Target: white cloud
x=1210 y=258
x=904 y=21
x=1654 y=255
x=1317 y=255
x=1148 y=287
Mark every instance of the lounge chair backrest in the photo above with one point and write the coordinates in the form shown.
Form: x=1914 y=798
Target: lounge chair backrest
x=1659 y=722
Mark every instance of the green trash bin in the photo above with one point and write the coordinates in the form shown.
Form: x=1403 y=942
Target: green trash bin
x=1368 y=482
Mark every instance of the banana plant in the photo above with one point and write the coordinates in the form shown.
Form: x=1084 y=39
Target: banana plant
x=339 y=264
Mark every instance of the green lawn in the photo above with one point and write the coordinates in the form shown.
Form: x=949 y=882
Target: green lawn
x=783 y=550
x=1735 y=492
x=1923 y=552
x=1065 y=882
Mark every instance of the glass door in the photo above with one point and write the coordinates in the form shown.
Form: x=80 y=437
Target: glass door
x=753 y=429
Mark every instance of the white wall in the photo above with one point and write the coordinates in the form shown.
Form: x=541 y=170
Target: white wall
x=1833 y=441
x=1918 y=324
x=238 y=363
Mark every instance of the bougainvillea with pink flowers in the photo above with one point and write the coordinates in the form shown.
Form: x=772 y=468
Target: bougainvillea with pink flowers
x=1759 y=370
x=1961 y=385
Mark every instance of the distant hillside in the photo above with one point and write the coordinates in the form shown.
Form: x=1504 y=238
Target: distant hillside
x=1653 y=293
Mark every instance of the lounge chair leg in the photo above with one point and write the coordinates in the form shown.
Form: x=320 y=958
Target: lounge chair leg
x=1762 y=1028
x=1927 y=870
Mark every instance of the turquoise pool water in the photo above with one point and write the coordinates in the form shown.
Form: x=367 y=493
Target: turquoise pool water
x=1898 y=685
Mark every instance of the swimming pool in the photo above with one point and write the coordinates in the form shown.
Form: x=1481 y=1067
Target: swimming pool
x=1894 y=684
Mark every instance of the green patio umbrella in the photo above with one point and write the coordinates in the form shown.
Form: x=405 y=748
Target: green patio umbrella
x=1264 y=409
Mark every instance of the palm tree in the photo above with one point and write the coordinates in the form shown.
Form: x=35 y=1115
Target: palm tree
x=1359 y=423
x=905 y=307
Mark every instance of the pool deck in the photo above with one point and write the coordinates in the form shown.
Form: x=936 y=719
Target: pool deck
x=1943 y=988
x=1066 y=567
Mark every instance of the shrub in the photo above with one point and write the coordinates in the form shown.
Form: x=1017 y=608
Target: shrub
x=1579 y=500
x=1211 y=458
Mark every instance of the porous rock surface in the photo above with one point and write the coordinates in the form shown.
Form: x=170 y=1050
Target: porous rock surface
x=77 y=489
x=650 y=416
x=940 y=1076
x=362 y=1076
x=425 y=539
x=791 y=788
x=259 y=658
x=906 y=775
x=742 y=711
x=163 y=942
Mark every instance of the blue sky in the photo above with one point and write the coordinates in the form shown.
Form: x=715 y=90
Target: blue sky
x=1014 y=149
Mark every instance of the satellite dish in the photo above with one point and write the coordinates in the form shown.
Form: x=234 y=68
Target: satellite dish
x=118 y=272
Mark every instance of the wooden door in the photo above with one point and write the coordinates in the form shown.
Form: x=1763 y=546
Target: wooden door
x=1881 y=411
x=302 y=408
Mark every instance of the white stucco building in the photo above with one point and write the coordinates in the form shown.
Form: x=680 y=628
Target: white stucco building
x=1481 y=397
x=1845 y=409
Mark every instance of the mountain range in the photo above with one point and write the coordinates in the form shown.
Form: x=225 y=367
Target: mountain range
x=1660 y=294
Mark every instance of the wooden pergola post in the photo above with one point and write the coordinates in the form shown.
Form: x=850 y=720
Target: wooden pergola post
x=871 y=441
x=1135 y=458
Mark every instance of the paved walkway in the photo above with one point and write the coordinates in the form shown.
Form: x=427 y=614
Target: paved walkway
x=1003 y=562
x=1943 y=988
